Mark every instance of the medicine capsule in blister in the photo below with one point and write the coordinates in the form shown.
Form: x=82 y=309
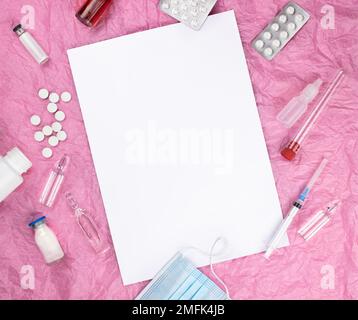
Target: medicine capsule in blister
x=284 y=34
x=280 y=31
x=291 y=26
x=290 y=10
x=282 y=19
x=276 y=43
x=275 y=26
x=192 y=13
x=259 y=44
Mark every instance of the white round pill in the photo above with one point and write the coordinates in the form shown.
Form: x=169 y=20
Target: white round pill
x=47 y=130
x=43 y=93
x=299 y=18
x=56 y=126
x=259 y=44
x=275 y=26
x=267 y=35
x=66 y=96
x=290 y=10
x=35 y=120
x=46 y=153
x=52 y=107
x=54 y=97
x=39 y=136
x=53 y=141
x=62 y=136
x=276 y=43
x=268 y=52
x=282 y=18
x=284 y=34
x=291 y=26
x=60 y=116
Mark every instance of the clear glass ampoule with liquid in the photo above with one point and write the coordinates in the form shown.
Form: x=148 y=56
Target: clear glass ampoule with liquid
x=87 y=225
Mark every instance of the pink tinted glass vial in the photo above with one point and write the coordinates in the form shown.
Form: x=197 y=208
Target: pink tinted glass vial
x=92 y=11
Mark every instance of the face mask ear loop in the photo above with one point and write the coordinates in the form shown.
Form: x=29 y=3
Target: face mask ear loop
x=212 y=268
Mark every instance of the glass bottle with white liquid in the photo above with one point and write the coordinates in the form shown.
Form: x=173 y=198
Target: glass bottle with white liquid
x=46 y=241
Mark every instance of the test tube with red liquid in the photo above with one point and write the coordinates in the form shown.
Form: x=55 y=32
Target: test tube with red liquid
x=295 y=145
x=92 y=11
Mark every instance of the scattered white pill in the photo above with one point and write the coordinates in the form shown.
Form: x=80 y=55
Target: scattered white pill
x=282 y=18
x=268 y=52
x=290 y=10
x=46 y=153
x=259 y=44
x=56 y=126
x=267 y=35
x=35 y=120
x=291 y=26
x=60 y=116
x=52 y=107
x=66 y=96
x=43 y=93
x=275 y=26
x=54 y=97
x=299 y=18
x=47 y=130
x=276 y=43
x=62 y=135
x=53 y=141
x=39 y=136
x=284 y=34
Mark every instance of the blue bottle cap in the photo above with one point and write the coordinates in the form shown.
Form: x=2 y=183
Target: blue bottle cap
x=32 y=224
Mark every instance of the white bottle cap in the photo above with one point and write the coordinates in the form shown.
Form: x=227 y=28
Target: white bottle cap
x=17 y=160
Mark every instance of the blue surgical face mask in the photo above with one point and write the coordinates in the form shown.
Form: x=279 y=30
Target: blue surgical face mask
x=181 y=280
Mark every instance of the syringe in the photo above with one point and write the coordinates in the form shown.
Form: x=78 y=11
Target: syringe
x=295 y=145
x=297 y=205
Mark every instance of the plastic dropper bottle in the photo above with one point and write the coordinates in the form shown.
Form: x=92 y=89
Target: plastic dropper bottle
x=298 y=105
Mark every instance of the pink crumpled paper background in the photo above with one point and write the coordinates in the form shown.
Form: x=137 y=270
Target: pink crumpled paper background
x=325 y=267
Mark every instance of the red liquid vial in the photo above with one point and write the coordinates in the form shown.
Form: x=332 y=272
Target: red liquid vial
x=92 y=11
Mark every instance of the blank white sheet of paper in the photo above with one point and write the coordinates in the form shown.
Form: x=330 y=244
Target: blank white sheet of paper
x=177 y=144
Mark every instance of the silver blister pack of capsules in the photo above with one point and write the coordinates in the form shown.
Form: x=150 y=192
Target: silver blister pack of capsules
x=192 y=13
x=280 y=31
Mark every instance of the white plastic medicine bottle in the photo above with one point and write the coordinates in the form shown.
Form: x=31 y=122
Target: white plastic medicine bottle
x=46 y=240
x=12 y=166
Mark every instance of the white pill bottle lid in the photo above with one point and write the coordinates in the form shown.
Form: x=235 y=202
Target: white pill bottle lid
x=17 y=160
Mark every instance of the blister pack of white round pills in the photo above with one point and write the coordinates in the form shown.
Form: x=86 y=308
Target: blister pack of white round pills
x=192 y=13
x=280 y=31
